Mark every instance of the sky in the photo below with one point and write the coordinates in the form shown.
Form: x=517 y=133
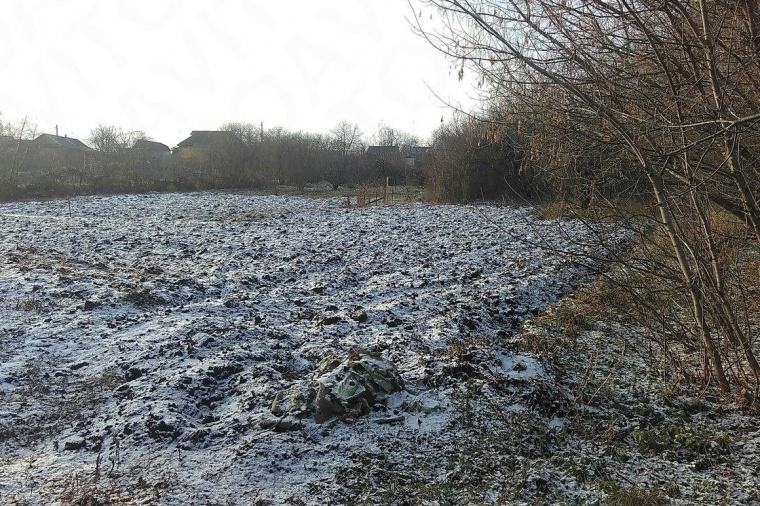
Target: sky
x=167 y=67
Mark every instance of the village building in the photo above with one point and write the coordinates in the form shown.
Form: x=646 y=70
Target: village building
x=152 y=149
x=204 y=143
x=54 y=152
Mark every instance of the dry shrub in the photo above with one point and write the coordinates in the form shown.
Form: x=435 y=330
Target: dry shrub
x=633 y=495
x=646 y=288
x=554 y=210
x=546 y=344
x=602 y=209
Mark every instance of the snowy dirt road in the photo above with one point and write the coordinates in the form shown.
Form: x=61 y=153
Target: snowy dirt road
x=146 y=340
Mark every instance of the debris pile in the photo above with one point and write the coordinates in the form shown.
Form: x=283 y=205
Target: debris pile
x=356 y=386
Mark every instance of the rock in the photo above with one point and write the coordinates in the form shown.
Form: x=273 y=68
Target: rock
x=198 y=436
x=89 y=305
x=328 y=363
x=288 y=424
x=97 y=444
x=75 y=445
x=282 y=424
x=359 y=315
x=329 y=320
x=324 y=406
x=295 y=401
x=159 y=429
x=357 y=384
x=210 y=401
x=79 y=365
x=222 y=372
x=132 y=374
x=393 y=322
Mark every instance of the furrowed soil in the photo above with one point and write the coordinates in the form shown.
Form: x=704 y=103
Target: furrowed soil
x=175 y=349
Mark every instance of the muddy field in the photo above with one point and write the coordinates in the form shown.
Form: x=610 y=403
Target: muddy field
x=225 y=348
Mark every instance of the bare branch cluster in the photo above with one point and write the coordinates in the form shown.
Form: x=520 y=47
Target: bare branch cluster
x=653 y=100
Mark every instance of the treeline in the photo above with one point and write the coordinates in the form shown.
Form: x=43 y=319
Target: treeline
x=503 y=153
x=340 y=157
x=644 y=112
x=237 y=155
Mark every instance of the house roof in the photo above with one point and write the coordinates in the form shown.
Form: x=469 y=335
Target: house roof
x=209 y=138
x=57 y=141
x=419 y=151
x=146 y=145
x=382 y=150
x=10 y=143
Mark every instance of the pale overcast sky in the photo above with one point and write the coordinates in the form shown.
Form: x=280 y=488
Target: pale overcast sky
x=171 y=66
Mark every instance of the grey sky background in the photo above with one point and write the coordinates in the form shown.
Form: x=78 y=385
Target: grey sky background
x=171 y=66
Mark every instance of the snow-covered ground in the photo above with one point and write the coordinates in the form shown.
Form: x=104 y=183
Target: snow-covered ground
x=171 y=349
x=165 y=349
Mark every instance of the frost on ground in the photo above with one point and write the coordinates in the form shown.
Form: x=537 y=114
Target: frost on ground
x=179 y=349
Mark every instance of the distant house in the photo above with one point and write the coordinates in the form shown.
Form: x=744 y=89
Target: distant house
x=54 y=151
x=50 y=141
x=417 y=156
x=387 y=152
x=202 y=143
x=152 y=149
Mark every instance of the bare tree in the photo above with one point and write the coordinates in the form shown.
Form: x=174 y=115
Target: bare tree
x=15 y=150
x=111 y=139
x=247 y=132
x=385 y=136
x=670 y=88
x=104 y=139
x=472 y=160
x=345 y=138
x=389 y=136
